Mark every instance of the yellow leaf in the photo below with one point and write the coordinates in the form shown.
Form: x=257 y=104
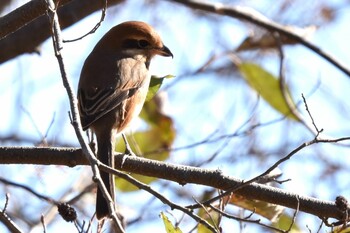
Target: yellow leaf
x=284 y=223
x=211 y=216
x=154 y=85
x=169 y=227
x=265 y=209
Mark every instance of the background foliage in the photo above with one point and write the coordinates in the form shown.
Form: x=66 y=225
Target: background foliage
x=223 y=110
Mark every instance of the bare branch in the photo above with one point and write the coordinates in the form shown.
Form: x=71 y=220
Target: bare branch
x=28 y=189
x=94 y=29
x=246 y=219
x=185 y=175
x=294 y=215
x=42 y=219
x=5 y=219
x=17 y=37
x=318 y=131
x=252 y=16
x=285 y=92
x=23 y=15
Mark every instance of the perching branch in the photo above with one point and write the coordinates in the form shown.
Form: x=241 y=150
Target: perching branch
x=158 y=195
x=185 y=175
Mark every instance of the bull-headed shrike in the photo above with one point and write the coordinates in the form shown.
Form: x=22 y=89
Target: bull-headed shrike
x=112 y=89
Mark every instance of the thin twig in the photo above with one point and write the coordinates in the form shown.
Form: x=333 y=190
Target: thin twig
x=6 y=202
x=94 y=29
x=271 y=168
x=28 y=189
x=208 y=214
x=246 y=219
x=319 y=228
x=311 y=117
x=294 y=215
x=283 y=86
x=42 y=219
x=5 y=219
x=58 y=46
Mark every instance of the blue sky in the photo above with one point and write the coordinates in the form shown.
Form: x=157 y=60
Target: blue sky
x=32 y=97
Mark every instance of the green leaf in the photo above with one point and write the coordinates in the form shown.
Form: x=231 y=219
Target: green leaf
x=211 y=216
x=214 y=219
x=154 y=85
x=268 y=86
x=169 y=227
x=284 y=222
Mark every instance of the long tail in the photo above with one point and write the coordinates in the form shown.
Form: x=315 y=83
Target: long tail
x=105 y=155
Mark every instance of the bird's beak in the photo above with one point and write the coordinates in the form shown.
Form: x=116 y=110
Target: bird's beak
x=165 y=51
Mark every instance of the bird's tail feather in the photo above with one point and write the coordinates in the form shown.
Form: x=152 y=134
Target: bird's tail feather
x=105 y=155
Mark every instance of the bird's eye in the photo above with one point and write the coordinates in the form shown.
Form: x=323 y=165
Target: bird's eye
x=135 y=44
x=143 y=44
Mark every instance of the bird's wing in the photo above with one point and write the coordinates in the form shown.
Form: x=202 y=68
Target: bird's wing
x=93 y=107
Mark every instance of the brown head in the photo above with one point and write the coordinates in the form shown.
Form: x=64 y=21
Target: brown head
x=134 y=38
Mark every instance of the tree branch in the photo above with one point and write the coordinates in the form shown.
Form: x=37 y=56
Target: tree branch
x=252 y=16
x=177 y=173
x=75 y=119
x=5 y=219
x=25 y=28
x=24 y=15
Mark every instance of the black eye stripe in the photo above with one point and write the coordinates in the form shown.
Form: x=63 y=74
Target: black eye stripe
x=130 y=44
x=135 y=44
x=143 y=43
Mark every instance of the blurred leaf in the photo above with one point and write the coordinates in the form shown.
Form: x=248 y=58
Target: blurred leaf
x=341 y=229
x=268 y=87
x=264 y=209
x=154 y=85
x=158 y=138
x=328 y=13
x=212 y=216
x=169 y=227
x=284 y=222
x=268 y=41
x=161 y=133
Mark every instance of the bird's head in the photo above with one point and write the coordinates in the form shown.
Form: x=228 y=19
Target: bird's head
x=134 y=38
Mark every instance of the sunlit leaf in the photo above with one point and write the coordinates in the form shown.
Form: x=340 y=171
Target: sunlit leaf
x=154 y=85
x=264 y=209
x=169 y=227
x=284 y=222
x=268 y=86
x=211 y=216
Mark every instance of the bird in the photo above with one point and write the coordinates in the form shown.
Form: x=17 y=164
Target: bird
x=112 y=88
